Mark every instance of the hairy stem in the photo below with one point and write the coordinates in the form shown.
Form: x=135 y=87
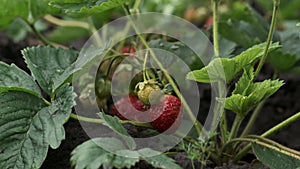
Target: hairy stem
x=260 y=65
x=219 y=112
x=270 y=132
x=236 y=124
x=281 y=125
x=269 y=39
x=66 y=23
x=42 y=38
x=101 y=121
x=197 y=124
x=253 y=118
x=86 y=119
x=216 y=27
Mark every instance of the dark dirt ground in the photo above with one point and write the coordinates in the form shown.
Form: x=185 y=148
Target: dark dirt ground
x=279 y=107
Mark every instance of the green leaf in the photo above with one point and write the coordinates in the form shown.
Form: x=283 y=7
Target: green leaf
x=29 y=10
x=12 y=77
x=57 y=115
x=67 y=34
x=22 y=136
x=17 y=30
x=180 y=50
x=28 y=126
x=275 y=159
x=239 y=32
x=91 y=155
x=225 y=69
x=216 y=70
x=51 y=67
x=282 y=61
x=159 y=161
x=114 y=124
x=86 y=8
x=244 y=82
x=226 y=47
x=244 y=25
x=126 y=159
x=12 y=9
x=291 y=41
x=40 y=8
x=248 y=94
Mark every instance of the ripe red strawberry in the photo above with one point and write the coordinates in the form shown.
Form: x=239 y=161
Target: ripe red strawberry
x=209 y=23
x=130 y=108
x=166 y=115
x=129 y=50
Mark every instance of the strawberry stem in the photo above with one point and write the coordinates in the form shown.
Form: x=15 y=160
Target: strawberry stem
x=101 y=121
x=270 y=132
x=269 y=39
x=145 y=73
x=216 y=27
x=198 y=126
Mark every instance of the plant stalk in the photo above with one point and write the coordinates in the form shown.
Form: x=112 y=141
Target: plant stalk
x=215 y=4
x=42 y=38
x=270 y=132
x=269 y=39
x=281 y=125
x=236 y=124
x=66 y=23
x=197 y=124
x=86 y=119
x=101 y=121
x=219 y=110
x=253 y=118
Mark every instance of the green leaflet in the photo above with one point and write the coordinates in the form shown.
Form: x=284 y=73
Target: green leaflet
x=13 y=77
x=114 y=124
x=22 y=142
x=28 y=126
x=180 y=50
x=276 y=159
x=29 y=10
x=244 y=25
x=61 y=110
x=287 y=59
x=91 y=155
x=51 y=67
x=247 y=94
x=65 y=35
x=81 y=8
x=225 y=69
x=159 y=161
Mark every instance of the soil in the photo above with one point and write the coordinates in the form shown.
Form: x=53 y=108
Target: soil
x=279 y=107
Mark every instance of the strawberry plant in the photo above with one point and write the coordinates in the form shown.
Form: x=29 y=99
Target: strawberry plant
x=134 y=85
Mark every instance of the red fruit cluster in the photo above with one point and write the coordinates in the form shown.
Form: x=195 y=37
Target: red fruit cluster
x=165 y=116
x=129 y=50
x=130 y=108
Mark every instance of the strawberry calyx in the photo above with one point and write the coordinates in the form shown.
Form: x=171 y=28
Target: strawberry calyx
x=148 y=91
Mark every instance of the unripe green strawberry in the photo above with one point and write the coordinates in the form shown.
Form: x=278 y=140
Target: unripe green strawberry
x=147 y=89
x=166 y=115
